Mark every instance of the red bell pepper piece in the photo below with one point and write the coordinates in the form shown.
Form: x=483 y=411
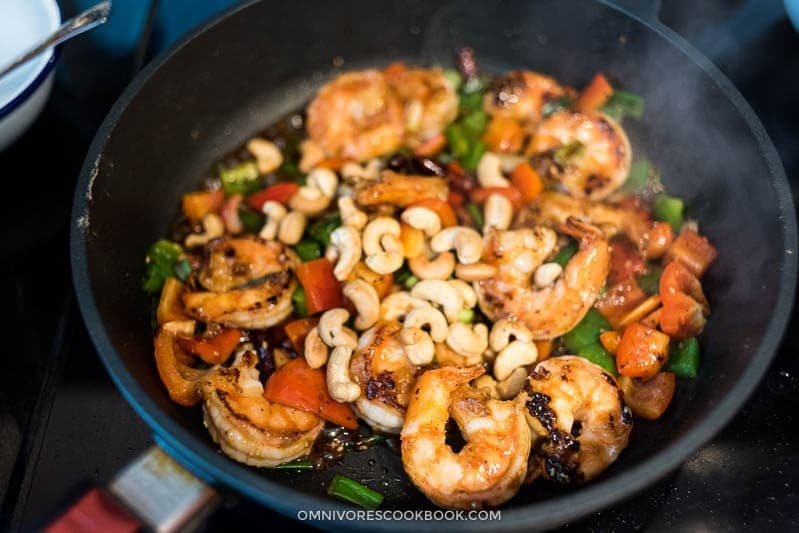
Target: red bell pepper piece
x=322 y=289
x=279 y=192
x=299 y=386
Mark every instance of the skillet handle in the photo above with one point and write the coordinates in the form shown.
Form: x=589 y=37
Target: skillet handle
x=646 y=10
x=153 y=492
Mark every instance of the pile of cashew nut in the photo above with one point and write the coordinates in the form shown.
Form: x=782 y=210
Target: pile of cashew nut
x=445 y=260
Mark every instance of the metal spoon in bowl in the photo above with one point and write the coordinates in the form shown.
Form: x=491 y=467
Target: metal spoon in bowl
x=75 y=26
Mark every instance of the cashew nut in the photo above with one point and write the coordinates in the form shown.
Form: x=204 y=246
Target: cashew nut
x=309 y=201
x=475 y=271
x=418 y=346
x=504 y=329
x=366 y=301
x=396 y=305
x=382 y=245
x=374 y=232
x=345 y=244
x=267 y=155
x=315 y=349
x=291 y=228
x=275 y=213
x=427 y=315
x=423 y=219
x=441 y=293
x=324 y=180
x=514 y=355
x=465 y=241
x=467 y=341
x=332 y=329
x=547 y=273
x=439 y=268
x=466 y=291
x=489 y=171
x=498 y=212
x=350 y=214
x=213 y=227
x=339 y=382
x=512 y=385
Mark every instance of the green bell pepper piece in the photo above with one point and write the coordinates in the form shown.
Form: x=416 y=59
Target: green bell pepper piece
x=683 y=358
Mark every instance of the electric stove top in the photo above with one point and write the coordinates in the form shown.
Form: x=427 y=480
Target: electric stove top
x=64 y=426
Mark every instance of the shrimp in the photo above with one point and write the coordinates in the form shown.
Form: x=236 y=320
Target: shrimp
x=578 y=414
x=490 y=467
x=385 y=375
x=249 y=284
x=401 y=190
x=249 y=428
x=356 y=116
x=429 y=101
x=551 y=311
x=520 y=95
x=553 y=208
x=181 y=379
x=588 y=153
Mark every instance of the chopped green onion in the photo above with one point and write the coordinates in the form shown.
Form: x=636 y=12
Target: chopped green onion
x=182 y=270
x=555 y=105
x=471 y=101
x=243 y=178
x=613 y=112
x=402 y=274
x=638 y=178
x=354 y=492
x=668 y=209
x=308 y=250
x=649 y=281
x=624 y=104
x=410 y=281
x=405 y=277
x=565 y=253
x=160 y=263
x=587 y=331
x=298 y=299
x=289 y=169
x=474 y=123
x=565 y=154
x=458 y=143
x=252 y=220
x=683 y=358
x=321 y=229
x=476 y=213
x=454 y=78
x=466 y=316
x=299 y=464
x=476 y=151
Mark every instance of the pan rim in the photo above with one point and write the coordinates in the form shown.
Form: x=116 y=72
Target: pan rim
x=200 y=458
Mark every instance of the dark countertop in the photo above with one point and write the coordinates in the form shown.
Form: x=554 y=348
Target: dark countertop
x=63 y=424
